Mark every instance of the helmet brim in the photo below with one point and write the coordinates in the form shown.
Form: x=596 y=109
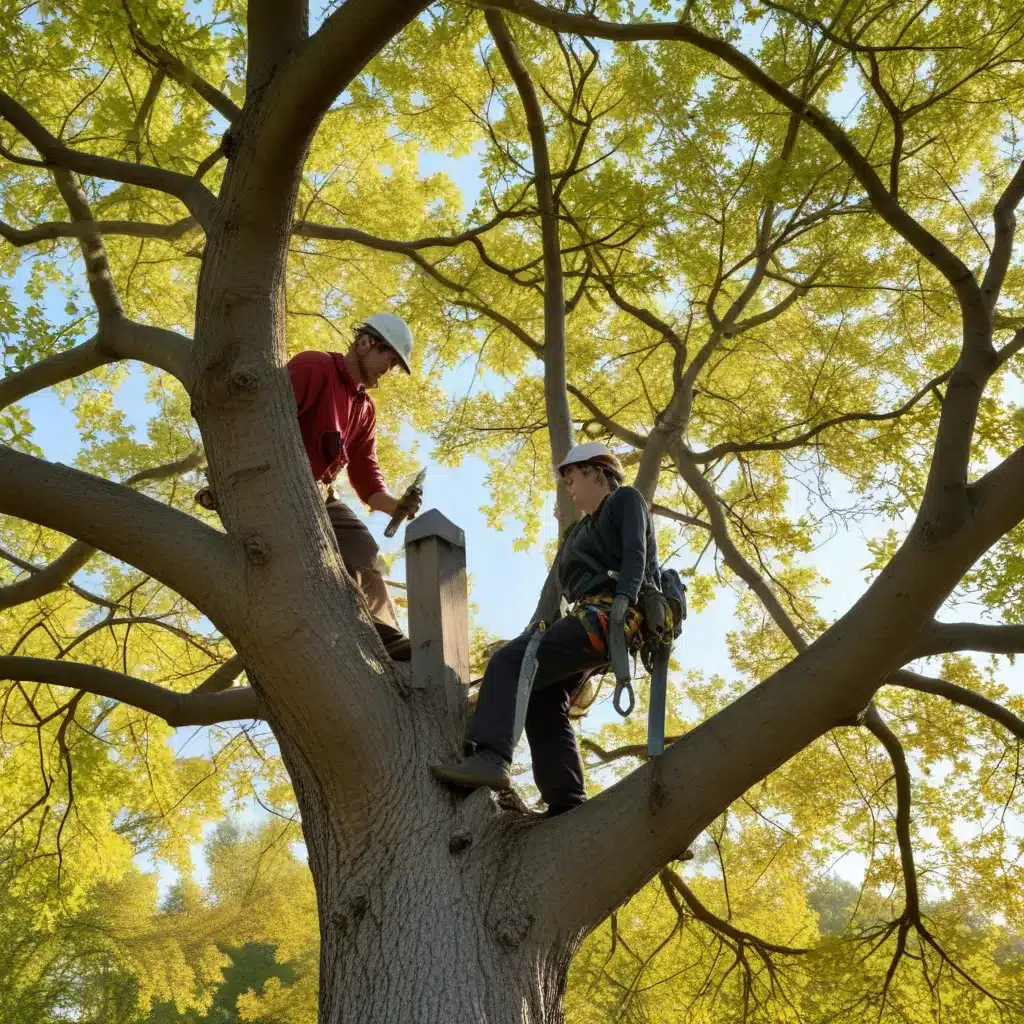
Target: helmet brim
x=402 y=361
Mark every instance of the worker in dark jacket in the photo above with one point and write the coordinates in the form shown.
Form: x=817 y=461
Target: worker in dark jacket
x=603 y=559
x=338 y=421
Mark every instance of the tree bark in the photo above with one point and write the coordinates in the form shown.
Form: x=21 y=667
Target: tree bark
x=425 y=920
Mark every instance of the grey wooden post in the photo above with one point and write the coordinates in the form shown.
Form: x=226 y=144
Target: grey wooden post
x=438 y=596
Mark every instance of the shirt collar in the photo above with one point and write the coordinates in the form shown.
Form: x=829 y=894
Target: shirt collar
x=349 y=381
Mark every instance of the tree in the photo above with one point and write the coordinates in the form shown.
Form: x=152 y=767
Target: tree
x=830 y=303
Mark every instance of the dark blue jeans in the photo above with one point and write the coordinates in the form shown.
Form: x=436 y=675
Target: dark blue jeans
x=565 y=658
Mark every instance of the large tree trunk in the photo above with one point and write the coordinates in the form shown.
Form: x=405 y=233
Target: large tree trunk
x=421 y=916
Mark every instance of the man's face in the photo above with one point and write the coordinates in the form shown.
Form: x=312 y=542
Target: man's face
x=375 y=359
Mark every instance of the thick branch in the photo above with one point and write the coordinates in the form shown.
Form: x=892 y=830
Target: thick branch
x=58 y=572
x=304 y=86
x=222 y=677
x=829 y=683
x=45 y=580
x=874 y=722
x=163 y=59
x=946 y=637
x=120 y=338
x=1004 y=217
x=175 y=709
x=29 y=567
x=175 y=548
x=959 y=695
x=192 y=193
x=64 y=229
x=276 y=28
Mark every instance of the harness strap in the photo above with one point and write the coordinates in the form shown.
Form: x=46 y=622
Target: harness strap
x=527 y=673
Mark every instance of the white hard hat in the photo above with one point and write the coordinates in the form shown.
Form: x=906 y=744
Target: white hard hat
x=395 y=333
x=584 y=453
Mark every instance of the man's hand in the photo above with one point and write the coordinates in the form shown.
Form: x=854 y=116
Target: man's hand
x=411 y=503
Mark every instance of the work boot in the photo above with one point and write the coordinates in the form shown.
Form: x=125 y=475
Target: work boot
x=396 y=643
x=484 y=768
x=399 y=650
x=554 y=810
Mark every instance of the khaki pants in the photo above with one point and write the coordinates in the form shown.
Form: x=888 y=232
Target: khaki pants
x=359 y=552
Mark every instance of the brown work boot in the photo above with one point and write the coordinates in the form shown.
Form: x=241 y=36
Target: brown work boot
x=396 y=643
x=399 y=650
x=484 y=768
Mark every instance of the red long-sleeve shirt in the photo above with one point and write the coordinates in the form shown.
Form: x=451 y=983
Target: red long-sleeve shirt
x=338 y=421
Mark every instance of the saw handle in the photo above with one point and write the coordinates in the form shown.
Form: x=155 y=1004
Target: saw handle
x=401 y=513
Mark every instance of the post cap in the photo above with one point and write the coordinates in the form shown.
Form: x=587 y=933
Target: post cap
x=433 y=524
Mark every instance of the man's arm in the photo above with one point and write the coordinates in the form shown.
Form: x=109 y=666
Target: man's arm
x=384 y=502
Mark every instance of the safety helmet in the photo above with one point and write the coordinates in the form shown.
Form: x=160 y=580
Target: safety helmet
x=593 y=453
x=394 y=332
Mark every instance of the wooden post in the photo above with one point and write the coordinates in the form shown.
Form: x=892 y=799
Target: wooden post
x=438 y=595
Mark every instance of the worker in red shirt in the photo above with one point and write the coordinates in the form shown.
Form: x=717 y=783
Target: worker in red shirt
x=338 y=421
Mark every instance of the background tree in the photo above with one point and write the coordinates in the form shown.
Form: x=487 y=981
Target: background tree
x=794 y=267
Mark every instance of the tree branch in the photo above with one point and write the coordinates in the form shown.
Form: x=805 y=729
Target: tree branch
x=52 y=230
x=560 y=432
x=222 y=678
x=120 y=338
x=930 y=247
x=159 y=57
x=86 y=595
x=723 y=927
x=874 y=722
x=336 y=233
x=734 y=447
x=1005 y=222
x=302 y=88
x=734 y=559
x=60 y=571
x=946 y=637
x=175 y=548
x=944 y=507
x=959 y=695
x=829 y=683
x=176 y=709
x=199 y=200
x=679 y=517
x=94 y=252
x=617 y=753
x=49 y=578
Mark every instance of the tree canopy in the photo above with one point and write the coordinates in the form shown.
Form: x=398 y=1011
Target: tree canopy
x=764 y=251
